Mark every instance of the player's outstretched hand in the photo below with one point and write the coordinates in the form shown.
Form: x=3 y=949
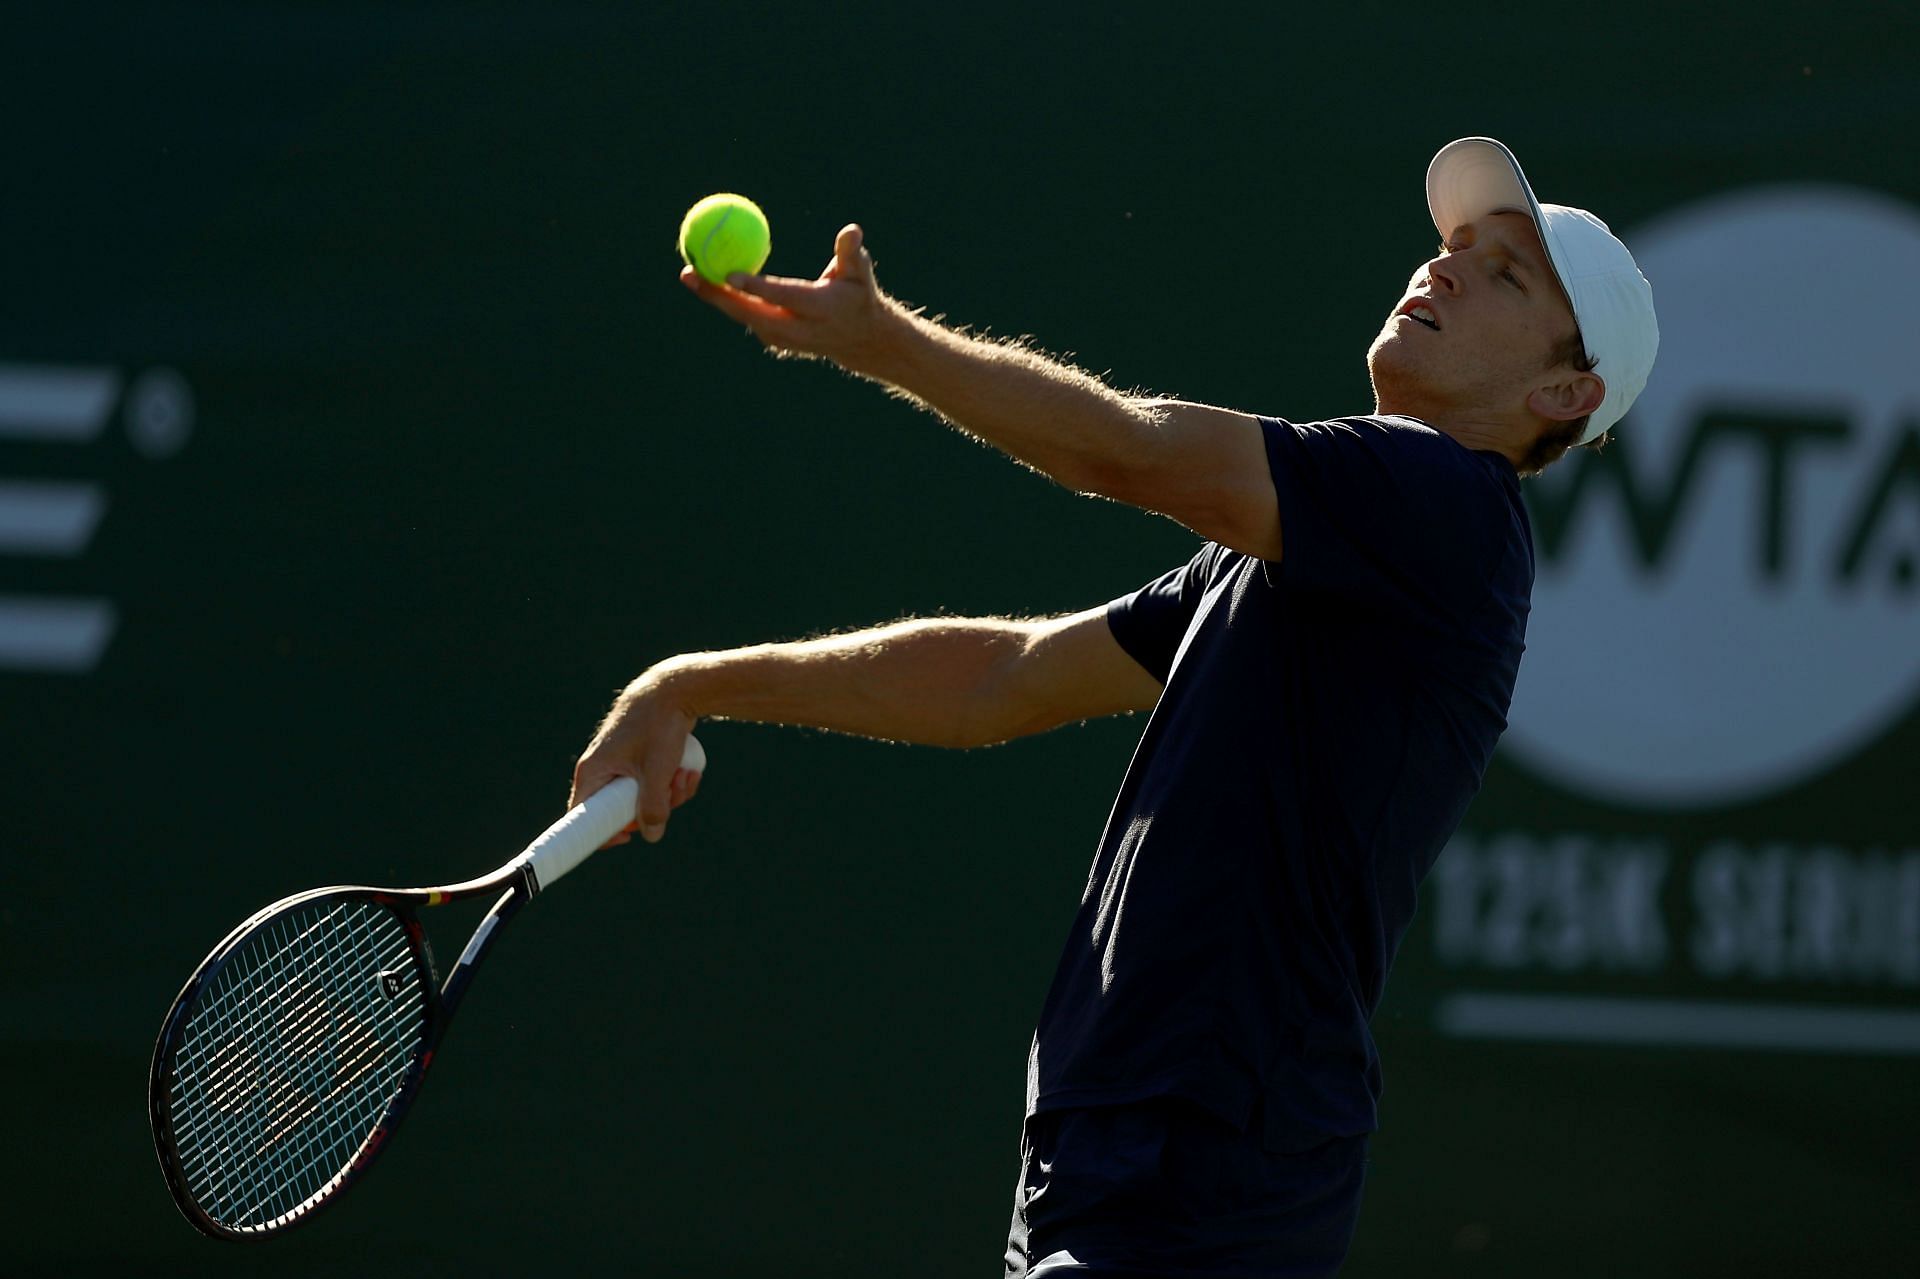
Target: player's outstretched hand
x=842 y=316
x=643 y=737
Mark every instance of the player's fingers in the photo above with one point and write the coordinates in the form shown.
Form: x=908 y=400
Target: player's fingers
x=851 y=261
x=737 y=305
x=656 y=784
x=686 y=783
x=777 y=327
x=791 y=297
x=588 y=776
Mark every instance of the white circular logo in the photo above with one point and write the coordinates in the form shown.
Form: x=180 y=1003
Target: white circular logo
x=1726 y=600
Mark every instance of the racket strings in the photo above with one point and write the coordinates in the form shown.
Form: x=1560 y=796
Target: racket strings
x=291 y=1057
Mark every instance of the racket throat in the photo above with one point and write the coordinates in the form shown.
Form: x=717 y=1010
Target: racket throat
x=476 y=945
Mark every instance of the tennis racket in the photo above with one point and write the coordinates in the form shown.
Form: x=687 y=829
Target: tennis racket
x=299 y=1044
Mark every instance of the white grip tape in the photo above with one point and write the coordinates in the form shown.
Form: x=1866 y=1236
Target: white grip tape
x=579 y=834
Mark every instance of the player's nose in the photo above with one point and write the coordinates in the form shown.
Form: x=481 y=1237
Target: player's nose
x=1442 y=276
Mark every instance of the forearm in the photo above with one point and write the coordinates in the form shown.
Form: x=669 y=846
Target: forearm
x=935 y=682
x=1057 y=419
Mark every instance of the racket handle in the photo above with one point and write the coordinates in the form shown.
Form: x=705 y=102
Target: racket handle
x=593 y=822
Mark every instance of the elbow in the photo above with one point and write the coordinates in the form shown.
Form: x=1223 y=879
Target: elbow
x=1126 y=458
x=1003 y=702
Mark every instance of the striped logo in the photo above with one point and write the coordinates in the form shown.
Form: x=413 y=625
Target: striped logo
x=45 y=518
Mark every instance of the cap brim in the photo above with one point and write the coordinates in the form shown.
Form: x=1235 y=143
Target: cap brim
x=1474 y=177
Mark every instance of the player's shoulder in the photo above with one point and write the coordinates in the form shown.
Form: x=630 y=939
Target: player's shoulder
x=1395 y=431
x=1434 y=478
x=1407 y=447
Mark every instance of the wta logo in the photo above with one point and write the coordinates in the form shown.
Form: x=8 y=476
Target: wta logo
x=1728 y=597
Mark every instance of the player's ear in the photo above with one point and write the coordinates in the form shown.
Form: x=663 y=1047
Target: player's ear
x=1567 y=396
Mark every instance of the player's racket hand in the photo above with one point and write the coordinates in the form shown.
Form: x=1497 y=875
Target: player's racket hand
x=643 y=737
x=842 y=316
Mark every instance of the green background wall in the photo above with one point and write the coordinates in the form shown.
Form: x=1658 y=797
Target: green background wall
x=463 y=458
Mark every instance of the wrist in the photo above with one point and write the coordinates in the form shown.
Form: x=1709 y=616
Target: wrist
x=674 y=684
x=887 y=353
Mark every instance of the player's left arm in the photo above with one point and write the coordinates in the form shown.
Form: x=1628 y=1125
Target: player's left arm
x=1205 y=467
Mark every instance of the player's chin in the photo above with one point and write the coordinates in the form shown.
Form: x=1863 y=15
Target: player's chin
x=1404 y=381
x=1391 y=359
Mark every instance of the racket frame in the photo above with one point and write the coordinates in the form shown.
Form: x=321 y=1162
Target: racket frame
x=561 y=848
x=442 y=1000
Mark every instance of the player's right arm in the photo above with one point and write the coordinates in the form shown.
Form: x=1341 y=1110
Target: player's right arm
x=935 y=681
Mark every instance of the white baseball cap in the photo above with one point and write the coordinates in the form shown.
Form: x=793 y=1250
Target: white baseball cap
x=1612 y=302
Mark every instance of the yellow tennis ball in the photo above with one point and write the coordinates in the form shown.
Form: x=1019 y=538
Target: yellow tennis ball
x=723 y=234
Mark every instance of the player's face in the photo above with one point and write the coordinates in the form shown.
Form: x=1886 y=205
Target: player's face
x=1470 y=341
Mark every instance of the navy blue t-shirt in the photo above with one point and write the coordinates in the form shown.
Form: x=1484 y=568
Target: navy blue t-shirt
x=1325 y=721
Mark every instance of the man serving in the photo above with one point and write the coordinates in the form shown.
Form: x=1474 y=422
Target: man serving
x=1327 y=679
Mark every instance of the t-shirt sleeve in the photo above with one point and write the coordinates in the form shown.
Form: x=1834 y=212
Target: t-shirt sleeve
x=1150 y=623
x=1392 y=517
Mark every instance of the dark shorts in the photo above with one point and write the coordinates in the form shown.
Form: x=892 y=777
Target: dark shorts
x=1165 y=1189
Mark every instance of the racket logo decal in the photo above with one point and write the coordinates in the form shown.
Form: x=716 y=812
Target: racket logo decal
x=478 y=940
x=390 y=982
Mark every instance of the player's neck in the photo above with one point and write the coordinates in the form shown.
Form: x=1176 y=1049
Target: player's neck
x=1482 y=435
x=1483 y=438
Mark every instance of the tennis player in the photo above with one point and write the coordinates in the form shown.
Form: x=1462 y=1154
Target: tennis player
x=1327 y=678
